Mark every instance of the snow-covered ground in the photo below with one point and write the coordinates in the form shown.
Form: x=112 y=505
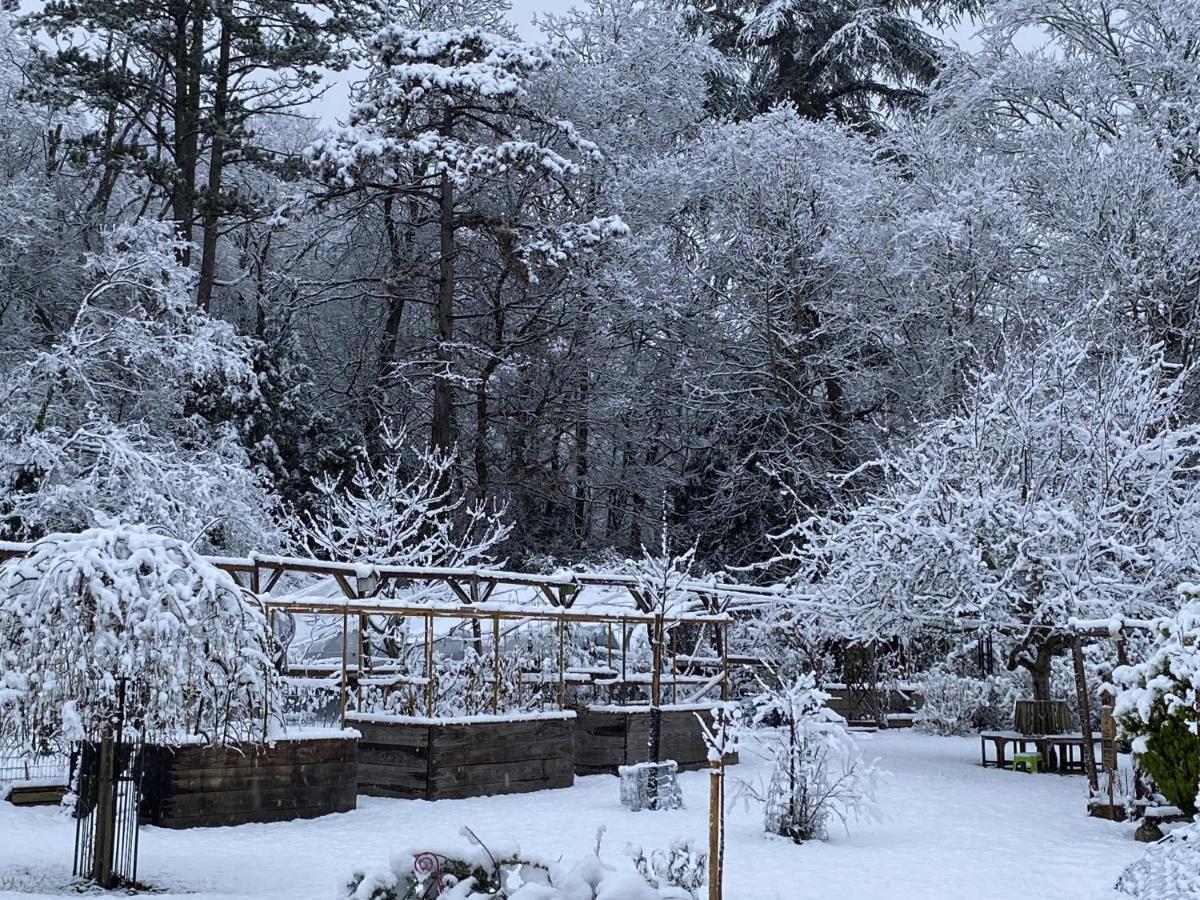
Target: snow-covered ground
x=952 y=830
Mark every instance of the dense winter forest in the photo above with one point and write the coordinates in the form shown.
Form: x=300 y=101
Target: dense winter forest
x=733 y=267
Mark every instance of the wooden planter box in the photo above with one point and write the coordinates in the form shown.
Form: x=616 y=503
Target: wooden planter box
x=608 y=737
x=437 y=759
x=191 y=786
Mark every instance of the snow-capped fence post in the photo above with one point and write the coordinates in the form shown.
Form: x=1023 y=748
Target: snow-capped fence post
x=562 y=663
x=721 y=741
x=345 y=663
x=496 y=665
x=716 y=824
x=429 y=685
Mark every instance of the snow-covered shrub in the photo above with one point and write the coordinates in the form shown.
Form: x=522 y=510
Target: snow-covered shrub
x=818 y=773
x=958 y=704
x=1169 y=870
x=682 y=866
x=404 y=510
x=123 y=616
x=99 y=423
x=478 y=872
x=1158 y=706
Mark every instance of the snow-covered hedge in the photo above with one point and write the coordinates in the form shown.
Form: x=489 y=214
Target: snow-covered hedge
x=84 y=614
x=957 y=704
x=1158 y=706
x=476 y=872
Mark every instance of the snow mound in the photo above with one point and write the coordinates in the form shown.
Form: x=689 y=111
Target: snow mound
x=1170 y=870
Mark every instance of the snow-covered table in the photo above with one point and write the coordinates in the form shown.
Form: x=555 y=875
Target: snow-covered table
x=1057 y=750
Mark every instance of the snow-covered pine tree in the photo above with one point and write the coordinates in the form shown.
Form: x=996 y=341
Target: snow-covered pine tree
x=441 y=122
x=177 y=95
x=853 y=60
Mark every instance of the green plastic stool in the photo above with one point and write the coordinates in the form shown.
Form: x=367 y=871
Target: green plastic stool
x=1027 y=762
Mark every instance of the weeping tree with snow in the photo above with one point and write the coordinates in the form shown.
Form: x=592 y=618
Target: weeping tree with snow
x=100 y=422
x=1158 y=706
x=818 y=773
x=123 y=620
x=1063 y=487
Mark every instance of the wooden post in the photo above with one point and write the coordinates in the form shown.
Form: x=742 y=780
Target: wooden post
x=363 y=652
x=714 y=828
x=624 y=657
x=656 y=655
x=724 y=633
x=1085 y=714
x=675 y=665
x=345 y=653
x=429 y=666
x=655 y=707
x=106 y=814
x=562 y=663
x=496 y=665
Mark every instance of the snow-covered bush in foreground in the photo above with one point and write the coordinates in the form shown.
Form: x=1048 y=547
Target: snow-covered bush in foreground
x=1170 y=869
x=818 y=772
x=478 y=872
x=1158 y=706
x=84 y=614
x=958 y=704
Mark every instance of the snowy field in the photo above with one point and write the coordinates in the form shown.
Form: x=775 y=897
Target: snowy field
x=952 y=830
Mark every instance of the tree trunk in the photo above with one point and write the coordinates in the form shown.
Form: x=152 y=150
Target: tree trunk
x=482 y=416
x=1039 y=670
x=442 y=428
x=216 y=166
x=189 y=49
x=582 y=437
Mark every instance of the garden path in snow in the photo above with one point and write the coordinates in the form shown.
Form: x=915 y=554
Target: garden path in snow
x=951 y=831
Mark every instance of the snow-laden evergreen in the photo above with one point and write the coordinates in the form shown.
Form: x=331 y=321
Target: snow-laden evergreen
x=1158 y=705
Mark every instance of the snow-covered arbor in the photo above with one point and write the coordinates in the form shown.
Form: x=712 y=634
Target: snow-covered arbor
x=1063 y=487
x=123 y=621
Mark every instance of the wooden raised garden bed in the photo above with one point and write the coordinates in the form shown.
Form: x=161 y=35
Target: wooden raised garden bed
x=190 y=786
x=473 y=756
x=608 y=737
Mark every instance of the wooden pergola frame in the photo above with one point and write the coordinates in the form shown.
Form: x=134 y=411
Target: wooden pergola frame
x=261 y=574
x=657 y=625
x=362 y=585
